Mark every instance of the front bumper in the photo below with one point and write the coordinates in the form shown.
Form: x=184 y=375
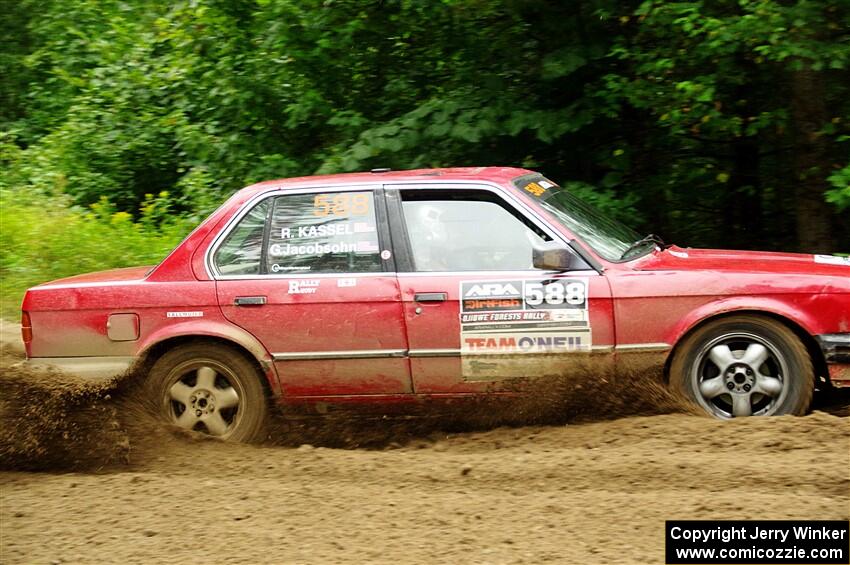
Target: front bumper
x=836 y=351
x=835 y=347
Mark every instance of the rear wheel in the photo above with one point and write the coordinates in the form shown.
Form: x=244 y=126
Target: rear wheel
x=744 y=365
x=211 y=389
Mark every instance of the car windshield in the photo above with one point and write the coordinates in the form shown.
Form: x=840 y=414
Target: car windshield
x=608 y=237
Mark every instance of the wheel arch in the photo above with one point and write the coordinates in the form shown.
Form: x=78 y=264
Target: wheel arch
x=233 y=338
x=808 y=340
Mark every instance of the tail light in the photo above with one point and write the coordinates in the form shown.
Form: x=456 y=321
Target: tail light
x=26 y=327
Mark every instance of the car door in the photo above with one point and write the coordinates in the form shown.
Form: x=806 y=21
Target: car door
x=479 y=316
x=310 y=274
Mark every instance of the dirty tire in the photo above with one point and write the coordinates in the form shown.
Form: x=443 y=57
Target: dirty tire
x=209 y=388
x=744 y=365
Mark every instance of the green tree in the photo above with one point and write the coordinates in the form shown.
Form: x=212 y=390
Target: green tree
x=715 y=122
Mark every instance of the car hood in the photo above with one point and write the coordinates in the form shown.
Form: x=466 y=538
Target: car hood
x=100 y=277
x=677 y=258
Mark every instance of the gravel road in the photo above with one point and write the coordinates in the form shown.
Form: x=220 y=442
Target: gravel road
x=592 y=492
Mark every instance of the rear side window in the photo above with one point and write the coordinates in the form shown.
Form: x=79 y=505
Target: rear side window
x=330 y=232
x=241 y=253
x=324 y=233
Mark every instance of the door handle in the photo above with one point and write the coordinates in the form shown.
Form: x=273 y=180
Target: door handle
x=249 y=300
x=430 y=297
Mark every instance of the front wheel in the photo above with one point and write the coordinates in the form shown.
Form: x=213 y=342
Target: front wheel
x=744 y=365
x=211 y=389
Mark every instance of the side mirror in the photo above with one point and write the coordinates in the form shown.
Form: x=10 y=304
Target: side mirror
x=553 y=256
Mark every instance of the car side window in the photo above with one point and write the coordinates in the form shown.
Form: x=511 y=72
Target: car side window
x=467 y=230
x=328 y=232
x=241 y=252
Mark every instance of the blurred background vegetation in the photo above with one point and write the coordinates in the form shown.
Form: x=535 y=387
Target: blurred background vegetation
x=123 y=123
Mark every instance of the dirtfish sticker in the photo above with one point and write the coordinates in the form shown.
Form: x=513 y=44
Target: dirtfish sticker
x=304 y=286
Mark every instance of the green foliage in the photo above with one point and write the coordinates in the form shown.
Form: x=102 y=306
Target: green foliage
x=702 y=120
x=736 y=90
x=840 y=194
x=44 y=239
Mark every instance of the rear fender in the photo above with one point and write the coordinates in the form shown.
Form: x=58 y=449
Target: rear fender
x=218 y=330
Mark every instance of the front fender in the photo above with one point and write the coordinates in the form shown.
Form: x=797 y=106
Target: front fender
x=729 y=305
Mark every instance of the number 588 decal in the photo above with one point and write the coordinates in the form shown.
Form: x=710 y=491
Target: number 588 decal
x=568 y=293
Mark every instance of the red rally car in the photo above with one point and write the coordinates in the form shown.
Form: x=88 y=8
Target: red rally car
x=391 y=286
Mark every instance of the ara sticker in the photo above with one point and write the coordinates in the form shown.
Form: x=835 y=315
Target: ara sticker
x=386 y=254
x=344 y=283
x=304 y=286
x=832 y=260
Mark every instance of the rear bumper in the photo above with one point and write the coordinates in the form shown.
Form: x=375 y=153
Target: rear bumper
x=89 y=368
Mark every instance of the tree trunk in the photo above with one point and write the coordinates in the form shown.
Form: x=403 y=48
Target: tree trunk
x=809 y=113
x=744 y=197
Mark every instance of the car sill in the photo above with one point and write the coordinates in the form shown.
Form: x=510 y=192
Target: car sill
x=358 y=354
x=384 y=353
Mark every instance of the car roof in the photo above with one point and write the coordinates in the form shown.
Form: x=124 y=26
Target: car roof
x=381 y=176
